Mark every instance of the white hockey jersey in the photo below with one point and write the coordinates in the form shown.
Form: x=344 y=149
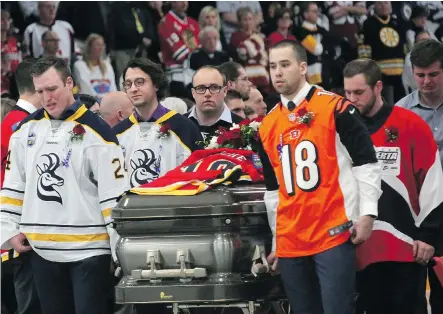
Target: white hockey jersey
x=148 y=152
x=62 y=180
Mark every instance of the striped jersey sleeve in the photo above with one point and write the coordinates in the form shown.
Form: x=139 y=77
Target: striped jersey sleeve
x=12 y=192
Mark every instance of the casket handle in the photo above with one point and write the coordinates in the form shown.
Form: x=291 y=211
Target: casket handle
x=259 y=255
x=184 y=273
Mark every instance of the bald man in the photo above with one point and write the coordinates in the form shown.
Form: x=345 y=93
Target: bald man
x=115 y=107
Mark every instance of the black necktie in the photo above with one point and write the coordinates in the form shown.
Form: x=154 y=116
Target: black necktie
x=291 y=105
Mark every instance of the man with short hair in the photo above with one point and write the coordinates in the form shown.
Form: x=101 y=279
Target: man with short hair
x=154 y=139
x=256 y=102
x=235 y=103
x=427 y=102
x=64 y=174
x=50 y=44
x=410 y=210
x=28 y=103
x=322 y=186
x=236 y=78
x=210 y=111
x=115 y=107
x=32 y=37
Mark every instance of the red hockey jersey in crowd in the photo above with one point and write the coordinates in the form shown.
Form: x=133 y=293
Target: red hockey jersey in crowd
x=178 y=38
x=205 y=169
x=252 y=52
x=411 y=206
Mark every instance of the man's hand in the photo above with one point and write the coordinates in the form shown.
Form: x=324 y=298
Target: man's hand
x=423 y=252
x=273 y=261
x=18 y=243
x=340 y=12
x=362 y=229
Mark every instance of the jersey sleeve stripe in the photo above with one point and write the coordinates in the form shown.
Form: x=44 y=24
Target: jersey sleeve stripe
x=13 y=190
x=109 y=200
x=106 y=212
x=180 y=141
x=54 y=237
x=99 y=136
x=11 y=201
x=10 y=212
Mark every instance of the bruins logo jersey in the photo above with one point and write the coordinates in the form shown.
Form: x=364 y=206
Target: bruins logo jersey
x=313 y=164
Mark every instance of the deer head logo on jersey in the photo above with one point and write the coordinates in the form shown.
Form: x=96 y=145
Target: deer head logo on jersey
x=47 y=179
x=145 y=167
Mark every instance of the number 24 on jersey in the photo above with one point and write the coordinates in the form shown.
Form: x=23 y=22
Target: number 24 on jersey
x=300 y=167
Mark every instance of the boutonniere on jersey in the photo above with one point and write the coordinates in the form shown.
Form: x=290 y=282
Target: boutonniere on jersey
x=240 y=136
x=305 y=117
x=164 y=130
x=77 y=133
x=391 y=134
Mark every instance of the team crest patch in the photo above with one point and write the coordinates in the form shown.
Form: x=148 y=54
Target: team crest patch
x=294 y=134
x=31 y=139
x=292 y=117
x=256 y=161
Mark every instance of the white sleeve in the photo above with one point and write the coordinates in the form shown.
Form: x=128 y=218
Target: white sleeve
x=26 y=40
x=13 y=191
x=369 y=182
x=107 y=164
x=82 y=78
x=271 y=202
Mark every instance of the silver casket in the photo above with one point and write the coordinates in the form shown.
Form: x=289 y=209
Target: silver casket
x=205 y=249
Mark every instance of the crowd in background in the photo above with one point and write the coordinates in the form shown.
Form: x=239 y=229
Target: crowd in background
x=185 y=36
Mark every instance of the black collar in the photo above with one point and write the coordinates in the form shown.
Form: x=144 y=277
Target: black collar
x=375 y=122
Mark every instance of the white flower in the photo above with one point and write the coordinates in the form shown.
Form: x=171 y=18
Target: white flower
x=234 y=126
x=249 y=147
x=255 y=125
x=213 y=143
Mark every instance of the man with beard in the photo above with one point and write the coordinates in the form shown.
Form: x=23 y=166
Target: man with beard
x=410 y=210
x=154 y=139
x=236 y=78
x=317 y=148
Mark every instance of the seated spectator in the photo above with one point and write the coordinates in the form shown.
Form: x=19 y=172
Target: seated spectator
x=256 y=102
x=176 y=104
x=283 y=22
x=115 y=107
x=93 y=75
x=235 y=103
x=206 y=55
x=33 y=33
x=209 y=17
x=50 y=43
x=250 y=47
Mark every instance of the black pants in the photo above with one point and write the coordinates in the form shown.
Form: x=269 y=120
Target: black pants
x=25 y=289
x=436 y=298
x=81 y=287
x=391 y=288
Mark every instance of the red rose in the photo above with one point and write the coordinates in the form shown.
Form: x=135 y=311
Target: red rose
x=78 y=130
x=245 y=122
x=302 y=112
x=222 y=138
x=165 y=128
x=235 y=138
x=258 y=119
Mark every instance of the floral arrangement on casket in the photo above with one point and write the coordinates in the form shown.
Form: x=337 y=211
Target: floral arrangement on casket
x=240 y=136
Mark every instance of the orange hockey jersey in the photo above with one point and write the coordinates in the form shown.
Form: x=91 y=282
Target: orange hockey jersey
x=313 y=152
x=205 y=169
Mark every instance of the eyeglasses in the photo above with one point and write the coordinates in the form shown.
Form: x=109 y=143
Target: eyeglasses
x=138 y=82
x=213 y=89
